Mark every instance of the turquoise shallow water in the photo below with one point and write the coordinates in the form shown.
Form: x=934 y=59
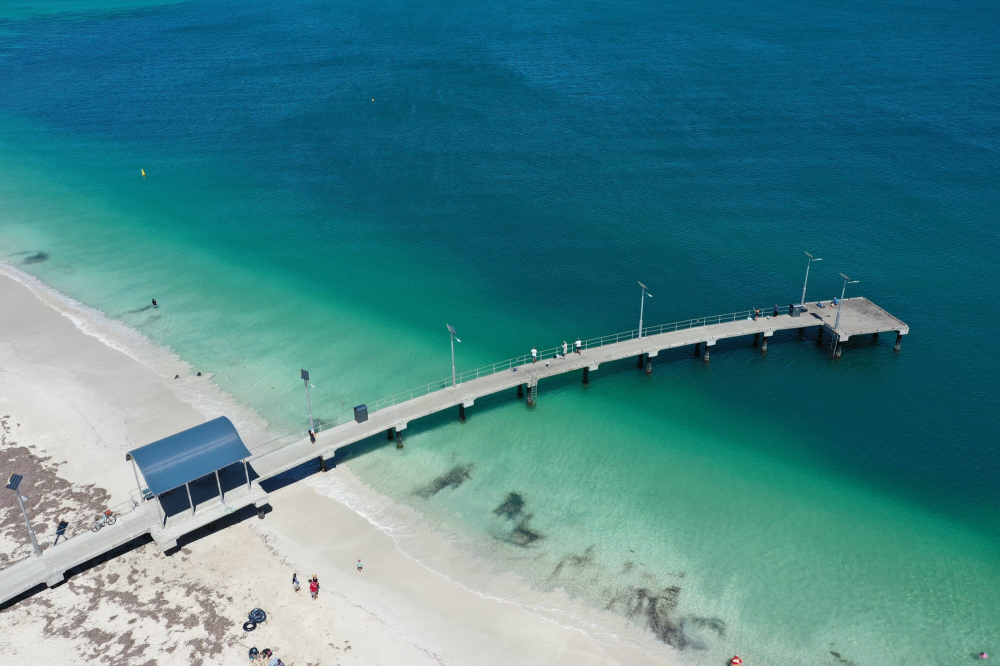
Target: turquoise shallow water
x=327 y=185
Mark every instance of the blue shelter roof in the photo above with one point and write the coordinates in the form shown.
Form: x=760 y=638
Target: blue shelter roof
x=190 y=454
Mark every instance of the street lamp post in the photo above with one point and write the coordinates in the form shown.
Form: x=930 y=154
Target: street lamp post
x=804 y=284
x=840 y=307
x=12 y=484
x=305 y=380
x=454 y=337
x=642 y=303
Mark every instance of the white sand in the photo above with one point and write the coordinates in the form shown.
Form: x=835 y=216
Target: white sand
x=72 y=399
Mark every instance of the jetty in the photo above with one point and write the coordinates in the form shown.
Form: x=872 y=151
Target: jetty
x=220 y=450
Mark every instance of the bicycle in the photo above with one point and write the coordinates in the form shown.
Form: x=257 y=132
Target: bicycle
x=107 y=518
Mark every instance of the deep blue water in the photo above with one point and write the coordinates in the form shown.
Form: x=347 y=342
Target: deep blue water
x=328 y=183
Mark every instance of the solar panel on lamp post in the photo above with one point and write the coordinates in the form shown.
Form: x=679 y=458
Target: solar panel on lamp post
x=840 y=306
x=454 y=338
x=804 y=284
x=642 y=303
x=12 y=484
x=305 y=379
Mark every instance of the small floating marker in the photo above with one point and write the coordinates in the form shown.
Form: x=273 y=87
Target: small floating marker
x=143 y=172
x=373 y=99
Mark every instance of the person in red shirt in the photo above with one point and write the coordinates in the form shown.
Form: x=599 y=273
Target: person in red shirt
x=314 y=587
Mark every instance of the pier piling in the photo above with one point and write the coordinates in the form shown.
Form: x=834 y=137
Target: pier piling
x=640 y=363
x=756 y=339
x=461 y=413
x=838 y=349
x=389 y=434
x=399 y=438
x=520 y=389
x=819 y=336
x=649 y=365
x=697 y=349
x=763 y=345
x=705 y=357
x=586 y=372
x=322 y=464
x=899 y=341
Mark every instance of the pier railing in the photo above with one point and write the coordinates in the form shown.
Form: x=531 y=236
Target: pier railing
x=503 y=366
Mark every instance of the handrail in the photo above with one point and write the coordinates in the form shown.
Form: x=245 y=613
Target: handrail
x=501 y=366
x=592 y=343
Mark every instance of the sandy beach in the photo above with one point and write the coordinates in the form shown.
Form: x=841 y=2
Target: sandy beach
x=72 y=406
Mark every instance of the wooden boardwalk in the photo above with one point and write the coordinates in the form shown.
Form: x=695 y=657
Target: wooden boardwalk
x=859 y=316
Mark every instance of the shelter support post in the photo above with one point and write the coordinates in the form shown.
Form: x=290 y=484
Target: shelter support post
x=219 y=483
x=246 y=470
x=135 y=470
x=899 y=341
x=160 y=512
x=586 y=375
x=187 y=486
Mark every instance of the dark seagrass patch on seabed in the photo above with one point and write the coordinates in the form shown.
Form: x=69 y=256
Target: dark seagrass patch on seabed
x=658 y=611
x=522 y=534
x=842 y=660
x=584 y=559
x=453 y=478
x=37 y=258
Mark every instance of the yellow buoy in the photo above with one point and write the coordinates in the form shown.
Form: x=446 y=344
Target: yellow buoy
x=143 y=171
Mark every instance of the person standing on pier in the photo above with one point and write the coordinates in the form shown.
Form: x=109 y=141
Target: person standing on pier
x=775 y=309
x=534 y=355
x=565 y=348
x=578 y=345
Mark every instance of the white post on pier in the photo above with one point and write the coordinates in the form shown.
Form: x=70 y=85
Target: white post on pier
x=305 y=378
x=840 y=307
x=806 y=283
x=246 y=470
x=642 y=303
x=454 y=338
x=219 y=483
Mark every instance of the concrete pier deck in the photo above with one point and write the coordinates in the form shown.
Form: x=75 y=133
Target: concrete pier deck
x=859 y=316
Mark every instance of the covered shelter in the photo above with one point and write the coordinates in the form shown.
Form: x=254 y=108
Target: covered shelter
x=191 y=454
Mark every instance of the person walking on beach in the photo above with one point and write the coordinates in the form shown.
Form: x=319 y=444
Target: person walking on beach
x=359 y=564
x=534 y=355
x=565 y=348
x=314 y=587
x=295 y=582
x=578 y=345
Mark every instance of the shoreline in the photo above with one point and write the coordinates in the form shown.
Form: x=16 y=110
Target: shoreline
x=59 y=357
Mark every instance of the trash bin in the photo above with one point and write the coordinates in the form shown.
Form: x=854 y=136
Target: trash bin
x=361 y=413
x=795 y=309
